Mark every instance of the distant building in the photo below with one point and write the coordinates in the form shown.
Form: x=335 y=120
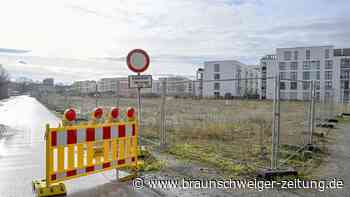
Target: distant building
x=84 y=87
x=4 y=90
x=199 y=84
x=109 y=84
x=48 y=82
x=4 y=83
x=328 y=67
x=176 y=86
x=229 y=78
x=116 y=85
x=267 y=63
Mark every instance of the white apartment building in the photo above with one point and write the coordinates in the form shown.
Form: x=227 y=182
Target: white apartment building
x=84 y=87
x=267 y=63
x=323 y=64
x=341 y=57
x=233 y=79
x=109 y=84
x=177 y=86
x=120 y=86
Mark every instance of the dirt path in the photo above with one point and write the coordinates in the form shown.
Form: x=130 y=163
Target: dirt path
x=337 y=165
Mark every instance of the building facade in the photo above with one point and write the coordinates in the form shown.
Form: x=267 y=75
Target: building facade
x=48 y=82
x=109 y=84
x=297 y=66
x=229 y=78
x=267 y=65
x=84 y=87
x=176 y=86
x=341 y=57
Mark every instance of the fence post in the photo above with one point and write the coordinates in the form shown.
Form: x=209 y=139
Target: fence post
x=162 y=117
x=194 y=89
x=118 y=93
x=201 y=87
x=312 y=112
x=275 y=124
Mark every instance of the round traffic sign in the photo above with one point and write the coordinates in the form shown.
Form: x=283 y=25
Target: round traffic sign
x=137 y=60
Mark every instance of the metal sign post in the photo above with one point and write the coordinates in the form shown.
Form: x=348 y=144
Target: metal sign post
x=138 y=62
x=162 y=117
x=139 y=117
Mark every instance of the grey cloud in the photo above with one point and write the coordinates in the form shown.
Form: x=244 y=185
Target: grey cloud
x=314 y=26
x=6 y=50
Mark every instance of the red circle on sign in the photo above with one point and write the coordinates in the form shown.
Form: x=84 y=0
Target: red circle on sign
x=70 y=114
x=131 y=112
x=134 y=67
x=114 y=112
x=98 y=113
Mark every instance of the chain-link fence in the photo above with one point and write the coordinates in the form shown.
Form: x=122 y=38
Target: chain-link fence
x=225 y=123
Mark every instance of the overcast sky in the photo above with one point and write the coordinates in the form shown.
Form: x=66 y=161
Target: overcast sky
x=72 y=40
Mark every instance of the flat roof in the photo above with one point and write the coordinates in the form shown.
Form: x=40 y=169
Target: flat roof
x=303 y=47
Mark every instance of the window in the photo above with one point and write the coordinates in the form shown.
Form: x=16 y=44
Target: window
x=306 y=75
x=216 y=76
x=326 y=53
x=317 y=75
x=328 y=85
x=294 y=66
x=306 y=65
x=287 y=55
x=282 y=66
x=294 y=76
x=328 y=64
x=345 y=63
x=328 y=75
x=306 y=85
x=282 y=85
x=216 y=86
x=315 y=65
x=345 y=85
x=337 y=52
x=317 y=85
x=217 y=94
x=293 y=85
x=345 y=75
x=216 y=67
x=307 y=54
x=295 y=55
x=283 y=75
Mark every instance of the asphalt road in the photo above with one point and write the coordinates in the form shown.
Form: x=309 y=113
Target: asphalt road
x=22 y=155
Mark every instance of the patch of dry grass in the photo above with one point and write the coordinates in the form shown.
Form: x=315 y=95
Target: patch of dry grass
x=232 y=135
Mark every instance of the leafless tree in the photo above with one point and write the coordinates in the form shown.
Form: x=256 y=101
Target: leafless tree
x=4 y=75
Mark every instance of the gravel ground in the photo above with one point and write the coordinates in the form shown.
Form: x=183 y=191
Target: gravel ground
x=336 y=165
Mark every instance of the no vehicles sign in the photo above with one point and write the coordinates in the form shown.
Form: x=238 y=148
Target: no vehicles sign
x=140 y=81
